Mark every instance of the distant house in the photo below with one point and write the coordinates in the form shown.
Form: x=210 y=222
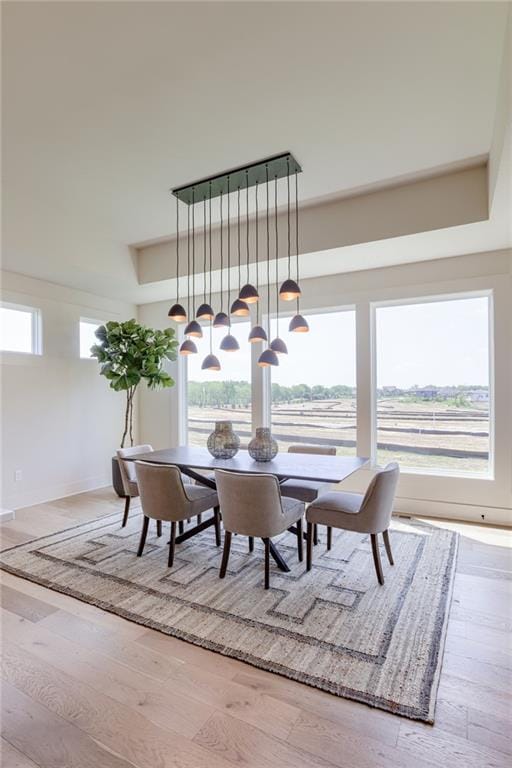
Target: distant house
x=426 y=393
x=477 y=395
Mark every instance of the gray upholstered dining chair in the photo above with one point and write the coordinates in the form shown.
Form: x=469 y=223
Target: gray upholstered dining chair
x=252 y=506
x=308 y=490
x=368 y=513
x=128 y=476
x=164 y=497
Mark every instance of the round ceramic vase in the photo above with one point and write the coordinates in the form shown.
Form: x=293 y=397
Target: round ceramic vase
x=262 y=447
x=223 y=443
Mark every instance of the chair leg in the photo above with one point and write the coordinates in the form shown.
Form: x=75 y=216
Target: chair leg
x=251 y=543
x=181 y=527
x=144 y=533
x=300 y=539
x=225 y=554
x=309 y=547
x=315 y=534
x=127 y=500
x=199 y=518
x=172 y=542
x=387 y=544
x=329 y=537
x=267 y=563
x=158 y=527
x=376 y=558
x=216 y=514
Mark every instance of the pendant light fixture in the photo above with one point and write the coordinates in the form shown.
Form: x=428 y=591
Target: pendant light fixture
x=277 y=345
x=229 y=342
x=239 y=308
x=211 y=362
x=290 y=288
x=177 y=311
x=193 y=328
x=248 y=293
x=221 y=320
x=188 y=347
x=268 y=356
x=298 y=323
x=205 y=312
x=257 y=333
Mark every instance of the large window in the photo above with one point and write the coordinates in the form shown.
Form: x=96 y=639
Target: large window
x=314 y=386
x=220 y=395
x=433 y=384
x=87 y=336
x=19 y=329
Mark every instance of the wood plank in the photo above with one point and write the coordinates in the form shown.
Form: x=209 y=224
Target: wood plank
x=490 y=731
x=122 y=731
x=156 y=700
x=47 y=739
x=23 y=605
x=446 y=748
x=13 y=758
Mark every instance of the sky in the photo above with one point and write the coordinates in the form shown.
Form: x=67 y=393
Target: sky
x=436 y=342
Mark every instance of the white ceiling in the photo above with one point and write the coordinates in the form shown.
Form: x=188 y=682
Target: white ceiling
x=108 y=105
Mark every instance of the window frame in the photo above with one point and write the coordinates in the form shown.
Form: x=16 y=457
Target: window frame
x=35 y=328
x=487 y=293
x=89 y=321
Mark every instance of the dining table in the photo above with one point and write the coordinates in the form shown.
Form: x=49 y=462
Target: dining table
x=194 y=461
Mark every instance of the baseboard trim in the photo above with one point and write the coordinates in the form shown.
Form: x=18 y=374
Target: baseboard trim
x=6 y=515
x=453 y=511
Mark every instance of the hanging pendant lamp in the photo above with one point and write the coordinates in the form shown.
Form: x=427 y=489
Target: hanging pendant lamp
x=298 y=323
x=193 y=328
x=177 y=311
x=258 y=333
x=221 y=320
x=211 y=362
x=268 y=356
x=277 y=345
x=188 y=347
x=248 y=293
x=205 y=311
x=290 y=289
x=229 y=342
x=239 y=308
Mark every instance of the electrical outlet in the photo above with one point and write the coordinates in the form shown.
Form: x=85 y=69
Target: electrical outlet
x=18 y=474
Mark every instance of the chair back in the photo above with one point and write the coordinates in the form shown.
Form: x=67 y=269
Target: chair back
x=377 y=506
x=161 y=491
x=323 y=450
x=127 y=468
x=250 y=504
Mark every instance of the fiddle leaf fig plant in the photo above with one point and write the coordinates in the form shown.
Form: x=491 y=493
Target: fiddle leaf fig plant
x=129 y=353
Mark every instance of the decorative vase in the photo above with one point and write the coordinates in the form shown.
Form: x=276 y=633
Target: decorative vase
x=262 y=447
x=223 y=443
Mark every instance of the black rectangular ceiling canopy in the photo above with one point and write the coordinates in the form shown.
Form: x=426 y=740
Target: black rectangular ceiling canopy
x=245 y=176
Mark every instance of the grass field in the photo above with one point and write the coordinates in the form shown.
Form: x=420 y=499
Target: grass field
x=422 y=435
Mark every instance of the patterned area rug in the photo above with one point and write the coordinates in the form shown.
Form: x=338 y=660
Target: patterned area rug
x=333 y=628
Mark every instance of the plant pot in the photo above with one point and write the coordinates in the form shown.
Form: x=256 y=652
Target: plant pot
x=262 y=447
x=117 y=481
x=223 y=443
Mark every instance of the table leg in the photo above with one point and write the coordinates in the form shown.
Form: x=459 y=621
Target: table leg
x=280 y=561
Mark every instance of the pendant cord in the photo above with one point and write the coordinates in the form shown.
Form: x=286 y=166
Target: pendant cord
x=288 y=206
x=188 y=262
x=277 y=254
x=210 y=259
x=204 y=250
x=177 y=252
x=268 y=254
x=247 y=220
x=257 y=259
x=229 y=256
x=221 y=253
x=239 y=254
x=297 y=233
x=193 y=249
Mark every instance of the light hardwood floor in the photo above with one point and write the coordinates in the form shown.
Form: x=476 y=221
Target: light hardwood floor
x=85 y=689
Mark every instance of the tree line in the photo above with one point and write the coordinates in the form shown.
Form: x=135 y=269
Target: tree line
x=237 y=394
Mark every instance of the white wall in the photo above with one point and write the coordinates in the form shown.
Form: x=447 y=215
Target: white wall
x=479 y=499
x=60 y=421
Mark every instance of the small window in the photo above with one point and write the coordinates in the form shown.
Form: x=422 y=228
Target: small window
x=19 y=329
x=87 y=336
